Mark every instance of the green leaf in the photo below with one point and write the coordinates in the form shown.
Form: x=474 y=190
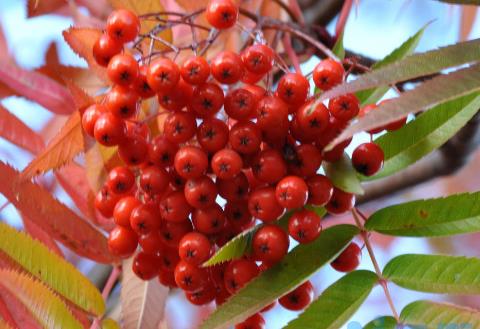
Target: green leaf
x=338 y=48
x=435 y=273
x=372 y=96
x=384 y=322
x=41 y=302
x=109 y=323
x=430 y=315
x=343 y=175
x=60 y=275
x=337 y=303
x=456 y=214
x=426 y=133
x=293 y=270
x=427 y=95
x=413 y=66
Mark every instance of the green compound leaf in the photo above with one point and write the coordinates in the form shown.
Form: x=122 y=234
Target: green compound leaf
x=427 y=95
x=58 y=274
x=427 y=132
x=49 y=310
x=343 y=175
x=456 y=214
x=241 y=244
x=430 y=315
x=338 y=48
x=293 y=270
x=435 y=273
x=384 y=322
x=371 y=96
x=337 y=303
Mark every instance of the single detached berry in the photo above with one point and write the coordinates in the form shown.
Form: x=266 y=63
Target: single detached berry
x=349 y=259
x=221 y=14
x=368 y=158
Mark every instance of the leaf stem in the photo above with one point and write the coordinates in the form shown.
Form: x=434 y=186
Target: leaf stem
x=378 y=271
x=113 y=277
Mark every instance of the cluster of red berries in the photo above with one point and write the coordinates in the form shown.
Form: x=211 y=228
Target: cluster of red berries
x=230 y=153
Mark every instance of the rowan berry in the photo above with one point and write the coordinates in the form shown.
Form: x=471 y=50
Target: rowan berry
x=270 y=244
x=349 y=259
x=221 y=14
x=368 y=159
x=304 y=226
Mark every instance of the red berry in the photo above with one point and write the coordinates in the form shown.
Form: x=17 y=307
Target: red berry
x=256 y=321
x=163 y=75
x=235 y=189
x=105 y=201
x=312 y=121
x=227 y=67
x=272 y=115
x=123 y=70
x=345 y=107
x=174 y=207
x=190 y=162
x=263 y=204
x=258 y=59
x=179 y=127
x=145 y=218
x=203 y=296
x=190 y=277
x=141 y=86
x=306 y=161
x=240 y=104
x=123 y=25
x=349 y=259
x=167 y=278
x=194 y=248
x=293 y=89
x=340 y=202
x=122 y=242
x=123 y=209
x=291 y=192
x=368 y=158
x=122 y=102
x=195 y=70
x=238 y=215
x=304 y=226
x=245 y=137
x=269 y=166
x=221 y=14
x=109 y=130
x=200 y=192
x=320 y=190
x=207 y=99
x=178 y=98
x=120 y=180
x=151 y=243
x=146 y=266
x=90 y=116
x=171 y=234
x=270 y=244
x=105 y=48
x=154 y=180
x=133 y=150
x=210 y=220
x=226 y=164
x=299 y=298
x=161 y=151
x=238 y=273
x=212 y=135
x=327 y=74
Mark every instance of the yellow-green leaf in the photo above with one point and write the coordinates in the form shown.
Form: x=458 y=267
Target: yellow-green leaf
x=343 y=175
x=49 y=310
x=48 y=267
x=109 y=323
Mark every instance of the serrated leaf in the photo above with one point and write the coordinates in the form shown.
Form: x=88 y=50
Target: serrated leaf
x=53 y=216
x=36 y=87
x=427 y=95
x=343 y=175
x=372 y=96
x=455 y=214
x=81 y=41
x=434 y=273
x=412 y=66
x=427 y=132
x=297 y=266
x=241 y=244
x=337 y=303
x=143 y=302
x=18 y=133
x=62 y=149
x=39 y=234
x=384 y=322
x=52 y=269
x=338 y=48
x=45 y=306
x=425 y=314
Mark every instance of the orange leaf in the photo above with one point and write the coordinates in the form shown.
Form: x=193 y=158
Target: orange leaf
x=15 y=131
x=467 y=20
x=54 y=217
x=61 y=149
x=42 y=7
x=36 y=87
x=81 y=41
x=38 y=233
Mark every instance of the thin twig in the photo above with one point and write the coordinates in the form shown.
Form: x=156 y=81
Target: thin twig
x=287 y=44
x=343 y=17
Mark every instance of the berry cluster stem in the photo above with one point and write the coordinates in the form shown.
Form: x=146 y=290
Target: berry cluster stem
x=113 y=277
x=378 y=271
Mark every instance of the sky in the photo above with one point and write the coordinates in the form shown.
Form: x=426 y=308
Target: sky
x=375 y=29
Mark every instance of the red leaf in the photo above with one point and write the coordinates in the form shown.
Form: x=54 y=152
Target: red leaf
x=54 y=217
x=18 y=133
x=81 y=41
x=38 y=233
x=37 y=87
x=42 y=7
x=21 y=316
x=60 y=150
